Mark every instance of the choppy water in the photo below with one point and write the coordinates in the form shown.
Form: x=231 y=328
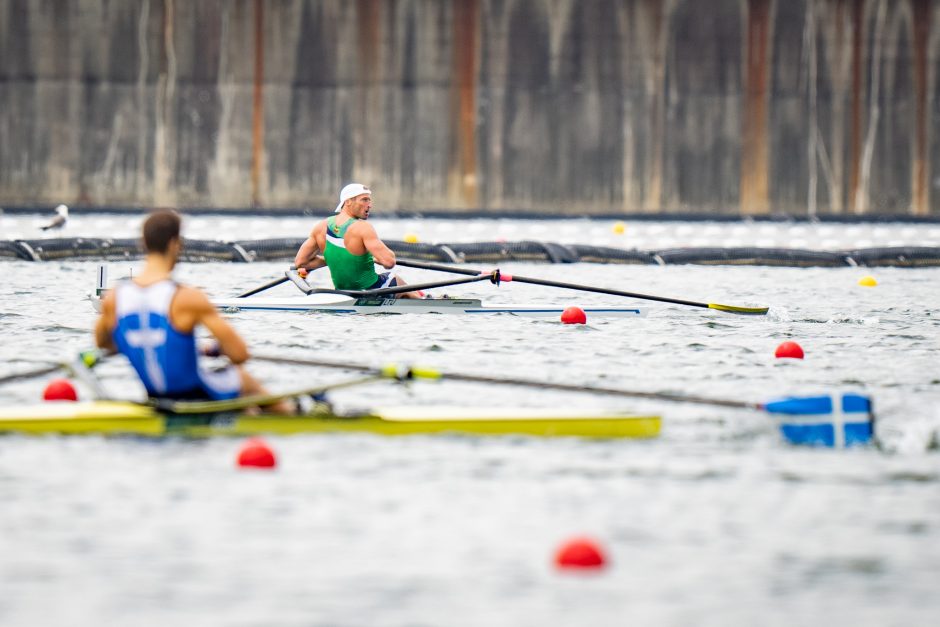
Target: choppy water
x=715 y=523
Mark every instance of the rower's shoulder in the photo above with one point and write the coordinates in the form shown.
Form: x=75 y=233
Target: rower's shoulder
x=189 y=297
x=359 y=227
x=108 y=301
x=319 y=227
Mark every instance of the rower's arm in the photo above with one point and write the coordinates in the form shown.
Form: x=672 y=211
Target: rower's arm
x=307 y=256
x=105 y=324
x=381 y=253
x=307 y=253
x=191 y=306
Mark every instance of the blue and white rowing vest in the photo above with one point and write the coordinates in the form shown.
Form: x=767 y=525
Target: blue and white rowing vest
x=165 y=359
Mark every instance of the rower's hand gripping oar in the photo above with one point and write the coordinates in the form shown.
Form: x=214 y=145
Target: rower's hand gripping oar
x=585 y=288
x=826 y=420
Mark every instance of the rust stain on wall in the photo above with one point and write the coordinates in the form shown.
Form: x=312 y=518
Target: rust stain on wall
x=841 y=73
x=368 y=15
x=463 y=166
x=921 y=12
x=366 y=161
x=858 y=38
x=656 y=99
x=257 y=121
x=164 y=165
x=755 y=163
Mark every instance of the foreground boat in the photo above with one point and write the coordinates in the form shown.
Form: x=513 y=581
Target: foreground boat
x=127 y=418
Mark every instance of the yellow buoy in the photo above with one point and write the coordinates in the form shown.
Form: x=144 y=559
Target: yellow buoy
x=867 y=281
x=619 y=228
x=411 y=238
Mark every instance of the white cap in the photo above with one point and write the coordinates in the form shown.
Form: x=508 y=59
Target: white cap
x=351 y=191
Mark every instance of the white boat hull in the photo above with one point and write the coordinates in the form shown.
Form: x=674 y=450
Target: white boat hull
x=329 y=303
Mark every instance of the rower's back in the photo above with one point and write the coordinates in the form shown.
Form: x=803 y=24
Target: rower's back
x=164 y=357
x=352 y=267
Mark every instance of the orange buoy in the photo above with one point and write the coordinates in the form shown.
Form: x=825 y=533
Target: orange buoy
x=255 y=453
x=789 y=350
x=580 y=553
x=574 y=315
x=60 y=390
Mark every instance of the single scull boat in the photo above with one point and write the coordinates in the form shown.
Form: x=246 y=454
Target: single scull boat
x=344 y=304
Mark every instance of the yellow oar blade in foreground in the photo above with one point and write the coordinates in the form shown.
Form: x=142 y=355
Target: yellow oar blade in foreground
x=753 y=311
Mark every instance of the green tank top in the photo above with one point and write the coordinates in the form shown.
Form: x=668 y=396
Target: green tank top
x=349 y=271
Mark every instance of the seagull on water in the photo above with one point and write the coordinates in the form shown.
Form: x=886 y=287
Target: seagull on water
x=62 y=216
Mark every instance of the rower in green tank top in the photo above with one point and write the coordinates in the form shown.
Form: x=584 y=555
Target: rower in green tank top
x=350 y=247
x=349 y=271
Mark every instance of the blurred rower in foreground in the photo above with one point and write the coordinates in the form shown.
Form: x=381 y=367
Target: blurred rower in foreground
x=350 y=247
x=151 y=320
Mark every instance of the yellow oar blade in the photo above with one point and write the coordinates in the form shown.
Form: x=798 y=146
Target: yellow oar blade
x=753 y=311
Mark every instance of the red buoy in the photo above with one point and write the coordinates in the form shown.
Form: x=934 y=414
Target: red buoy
x=256 y=453
x=580 y=553
x=573 y=315
x=790 y=350
x=60 y=390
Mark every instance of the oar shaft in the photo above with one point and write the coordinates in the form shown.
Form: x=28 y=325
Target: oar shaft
x=586 y=288
x=571 y=286
x=18 y=376
x=604 y=290
x=470 y=378
x=266 y=286
x=424 y=265
x=568 y=387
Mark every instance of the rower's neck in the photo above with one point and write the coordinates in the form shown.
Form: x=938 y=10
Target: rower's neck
x=156 y=268
x=342 y=218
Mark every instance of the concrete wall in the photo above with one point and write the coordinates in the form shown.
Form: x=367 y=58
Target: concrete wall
x=575 y=106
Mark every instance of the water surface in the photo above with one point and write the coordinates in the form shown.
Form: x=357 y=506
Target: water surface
x=715 y=523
